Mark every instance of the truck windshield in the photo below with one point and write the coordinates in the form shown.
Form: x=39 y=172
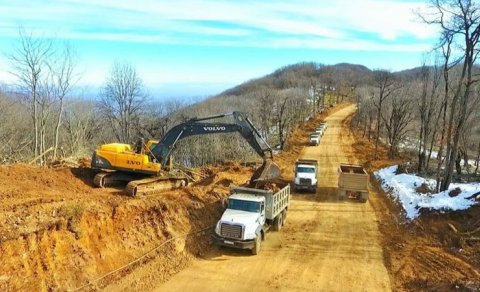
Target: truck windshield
x=248 y=206
x=306 y=169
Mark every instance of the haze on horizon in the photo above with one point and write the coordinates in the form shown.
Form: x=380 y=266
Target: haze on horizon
x=199 y=48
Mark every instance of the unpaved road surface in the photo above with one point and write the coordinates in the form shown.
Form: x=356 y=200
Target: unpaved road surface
x=326 y=245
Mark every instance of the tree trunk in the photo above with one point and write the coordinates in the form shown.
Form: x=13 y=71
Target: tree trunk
x=378 y=128
x=57 y=130
x=477 y=162
x=35 y=121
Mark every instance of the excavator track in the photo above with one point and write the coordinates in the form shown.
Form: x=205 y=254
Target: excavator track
x=106 y=179
x=154 y=185
x=138 y=185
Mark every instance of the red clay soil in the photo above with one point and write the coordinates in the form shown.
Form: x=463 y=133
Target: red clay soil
x=57 y=231
x=425 y=254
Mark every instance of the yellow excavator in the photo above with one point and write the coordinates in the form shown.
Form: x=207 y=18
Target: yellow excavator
x=149 y=167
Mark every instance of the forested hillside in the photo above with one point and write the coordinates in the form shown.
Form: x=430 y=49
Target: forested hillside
x=48 y=119
x=45 y=116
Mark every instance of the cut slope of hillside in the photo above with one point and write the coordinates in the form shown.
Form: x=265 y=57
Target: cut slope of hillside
x=56 y=230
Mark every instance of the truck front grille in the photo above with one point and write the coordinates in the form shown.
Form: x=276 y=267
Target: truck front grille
x=231 y=231
x=305 y=181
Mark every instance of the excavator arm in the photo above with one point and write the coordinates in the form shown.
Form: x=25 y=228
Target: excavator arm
x=200 y=126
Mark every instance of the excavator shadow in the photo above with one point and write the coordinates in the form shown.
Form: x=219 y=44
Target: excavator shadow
x=85 y=174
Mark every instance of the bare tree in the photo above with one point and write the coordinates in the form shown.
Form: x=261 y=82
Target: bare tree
x=62 y=80
x=123 y=100
x=385 y=84
x=29 y=63
x=80 y=126
x=459 y=21
x=283 y=117
x=427 y=107
x=397 y=115
x=264 y=112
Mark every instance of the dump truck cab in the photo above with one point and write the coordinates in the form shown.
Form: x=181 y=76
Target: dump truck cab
x=306 y=175
x=318 y=131
x=242 y=220
x=314 y=139
x=250 y=214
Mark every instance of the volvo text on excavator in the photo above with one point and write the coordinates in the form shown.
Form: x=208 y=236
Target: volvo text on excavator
x=149 y=168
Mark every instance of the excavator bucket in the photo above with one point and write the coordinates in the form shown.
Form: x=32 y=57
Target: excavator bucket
x=269 y=170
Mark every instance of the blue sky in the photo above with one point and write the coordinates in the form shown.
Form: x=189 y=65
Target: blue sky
x=197 y=48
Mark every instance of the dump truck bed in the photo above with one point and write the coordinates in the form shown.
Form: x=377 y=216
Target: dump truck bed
x=275 y=202
x=352 y=177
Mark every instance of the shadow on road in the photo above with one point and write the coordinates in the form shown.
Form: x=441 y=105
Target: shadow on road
x=217 y=253
x=324 y=194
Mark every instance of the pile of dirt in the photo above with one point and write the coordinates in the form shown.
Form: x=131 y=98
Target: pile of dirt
x=426 y=253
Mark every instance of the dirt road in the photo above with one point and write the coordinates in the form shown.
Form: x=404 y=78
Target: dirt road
x=326 y=245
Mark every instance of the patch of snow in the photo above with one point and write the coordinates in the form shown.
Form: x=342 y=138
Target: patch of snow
x=403 y=187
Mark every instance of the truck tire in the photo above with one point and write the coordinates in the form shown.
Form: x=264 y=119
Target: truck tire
x=256 y=247
x=278 y=222
x=341 y=194
x=364 y=197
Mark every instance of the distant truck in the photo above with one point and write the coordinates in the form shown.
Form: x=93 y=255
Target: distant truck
x=324 y=125
x=249 y=215
x=319 y=131
x=352 y=182
x=314 y=139
x=306 y=175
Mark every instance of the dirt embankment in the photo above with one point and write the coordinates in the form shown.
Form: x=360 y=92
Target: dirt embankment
x=59 y=232
x=424 y=254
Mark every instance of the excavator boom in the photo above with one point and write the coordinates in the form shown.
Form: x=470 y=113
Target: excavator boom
x=197 y=126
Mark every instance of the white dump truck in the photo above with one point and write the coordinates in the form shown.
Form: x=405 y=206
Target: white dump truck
x=319 y=131
x=352 y=182
x=314 y=139
x=249 y=215
x=306 y=175
x=323 y=125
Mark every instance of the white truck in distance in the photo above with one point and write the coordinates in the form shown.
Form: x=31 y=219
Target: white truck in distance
x=306 y=175
x=249 y=215
x=314 y=139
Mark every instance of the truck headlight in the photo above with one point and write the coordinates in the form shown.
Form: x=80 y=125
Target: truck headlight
x=217 y=228
x=297 y=180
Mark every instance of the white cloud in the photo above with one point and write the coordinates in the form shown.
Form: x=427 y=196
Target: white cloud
x=351 y=21
x=343 y=25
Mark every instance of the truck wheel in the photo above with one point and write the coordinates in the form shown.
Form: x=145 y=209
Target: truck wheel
x=364 y=197
x=341 y=195
x=278 y=222
x=256 y=247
